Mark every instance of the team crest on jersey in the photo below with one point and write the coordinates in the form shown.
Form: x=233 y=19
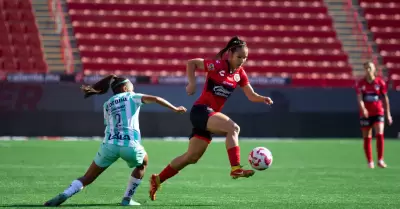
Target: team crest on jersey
x=377 y=87
x=363 y=88
x=236 y=77
x=210 y=66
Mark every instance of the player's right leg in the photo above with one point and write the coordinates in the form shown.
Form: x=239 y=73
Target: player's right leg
x=197 y=146
x=366 y=129
x=220 y=123
x=104 y=158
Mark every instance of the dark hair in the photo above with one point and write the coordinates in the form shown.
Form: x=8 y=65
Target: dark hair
x=102 y=86
x=233 y=44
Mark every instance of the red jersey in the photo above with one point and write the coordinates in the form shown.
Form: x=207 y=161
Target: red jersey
x=220 y=83
x=371 y=94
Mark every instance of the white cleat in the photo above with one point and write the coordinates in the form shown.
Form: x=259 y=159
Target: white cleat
x=382 y=164
x=371 y=165
x=126 y=201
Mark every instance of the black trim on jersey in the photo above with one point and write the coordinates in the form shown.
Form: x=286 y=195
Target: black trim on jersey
x=218 y=89
x=371 y=97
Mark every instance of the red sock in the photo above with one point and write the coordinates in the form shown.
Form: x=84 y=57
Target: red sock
x=167 y=173
x=380 y=142
x=234 y=156
x=368 y=148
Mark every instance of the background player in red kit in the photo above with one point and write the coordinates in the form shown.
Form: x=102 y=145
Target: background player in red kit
x=370 y=91
x=223 y=76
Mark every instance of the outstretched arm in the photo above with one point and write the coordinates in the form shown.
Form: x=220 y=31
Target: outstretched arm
x=254 y=97
x=161 y=101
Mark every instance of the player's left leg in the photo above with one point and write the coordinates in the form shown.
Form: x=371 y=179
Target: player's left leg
x=138 y=159
x=220 y=123
x=104 y=158
x=379 y=127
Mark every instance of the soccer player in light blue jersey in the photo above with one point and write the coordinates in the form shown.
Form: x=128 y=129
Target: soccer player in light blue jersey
x=122 y=136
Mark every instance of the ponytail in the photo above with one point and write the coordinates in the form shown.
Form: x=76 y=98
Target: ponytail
x=232 y=45
x=101 y=87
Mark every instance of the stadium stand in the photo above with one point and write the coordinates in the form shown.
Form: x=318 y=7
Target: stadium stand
x=383 y=18
x=154 y=37
x=20 y=44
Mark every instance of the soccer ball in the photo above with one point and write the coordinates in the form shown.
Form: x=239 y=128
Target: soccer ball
x=260 y=158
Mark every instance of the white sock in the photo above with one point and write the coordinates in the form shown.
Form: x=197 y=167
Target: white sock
x=74 y=188
x=381 y=161
x=133 y=184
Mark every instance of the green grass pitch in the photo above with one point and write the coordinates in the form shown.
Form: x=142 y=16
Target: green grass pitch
x=326 y=174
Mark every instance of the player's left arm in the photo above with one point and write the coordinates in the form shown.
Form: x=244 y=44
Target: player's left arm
x=386 y=103
x=249 y=91
x=253 y=96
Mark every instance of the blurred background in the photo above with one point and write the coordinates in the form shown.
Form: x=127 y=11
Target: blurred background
x=305 y=54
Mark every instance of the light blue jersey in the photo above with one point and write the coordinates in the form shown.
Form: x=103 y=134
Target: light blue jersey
x=121 y=117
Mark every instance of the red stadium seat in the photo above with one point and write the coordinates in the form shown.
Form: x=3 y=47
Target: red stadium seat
x=132 y=36
x=10 y=4
x=19 y=36
x=13 y=15
x=383 y=19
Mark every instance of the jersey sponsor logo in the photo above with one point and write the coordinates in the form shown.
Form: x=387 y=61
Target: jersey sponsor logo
x=210 y=66
x=117 y=101
x=221 y=91
x=236 y=77
x=227 y=83
x=222 y=73
x=113 y=109
x=370 y=97
x=118 y=136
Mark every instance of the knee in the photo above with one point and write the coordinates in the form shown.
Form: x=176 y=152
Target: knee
x=235 y=129
x=141 y=167
x=192 y=158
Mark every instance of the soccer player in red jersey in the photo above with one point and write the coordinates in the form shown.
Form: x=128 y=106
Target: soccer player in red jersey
x=223 y=76
x=370 y=91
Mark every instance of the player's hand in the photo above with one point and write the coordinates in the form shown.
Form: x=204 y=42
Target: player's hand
x=389 y=119
x=180 y=109
x=190 y=89
x=268 y=101
x=365 y=113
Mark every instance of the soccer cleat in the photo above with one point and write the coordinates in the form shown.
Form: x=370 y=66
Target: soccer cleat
x=371 y=165
x=154 y=186
x=126 y=201
x=382 y=164
x=240 y=172
x=56 y=201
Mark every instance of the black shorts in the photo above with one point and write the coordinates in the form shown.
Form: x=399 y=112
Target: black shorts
x=199 y=117
x=370 y=121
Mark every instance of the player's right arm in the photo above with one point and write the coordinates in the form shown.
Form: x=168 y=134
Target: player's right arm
x=191 y=67
x=361 y=104
x=161 y=101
